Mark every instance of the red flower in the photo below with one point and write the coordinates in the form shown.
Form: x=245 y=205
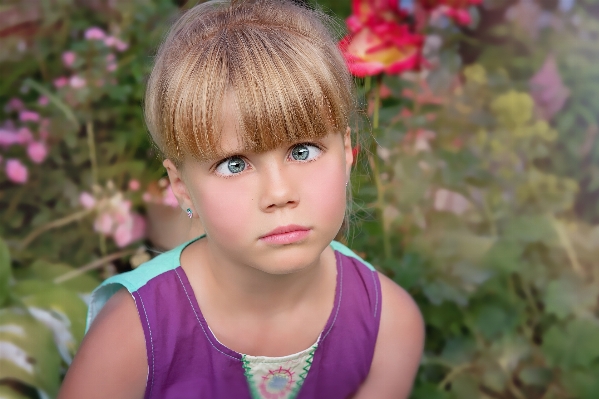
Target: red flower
x=380 y=39
x=454 y=9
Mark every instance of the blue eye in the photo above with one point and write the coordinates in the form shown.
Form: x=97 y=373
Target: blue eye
x=231 y=166
x=305 y=152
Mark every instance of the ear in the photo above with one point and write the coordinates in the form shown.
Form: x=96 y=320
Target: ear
x=178 y=186
x=349 y=154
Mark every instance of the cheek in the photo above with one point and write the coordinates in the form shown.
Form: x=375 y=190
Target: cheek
x=325 y=193
x=224 y=210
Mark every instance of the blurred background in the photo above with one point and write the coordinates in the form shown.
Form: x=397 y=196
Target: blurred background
x=475 y=186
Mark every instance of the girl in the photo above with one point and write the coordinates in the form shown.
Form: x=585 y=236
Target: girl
x=249 y=103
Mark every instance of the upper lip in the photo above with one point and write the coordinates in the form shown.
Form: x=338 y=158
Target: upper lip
x=285 y=229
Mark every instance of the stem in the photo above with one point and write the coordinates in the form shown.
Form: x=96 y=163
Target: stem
x=92 y=151
x=567 y=244
x=53 y=225
x=374 y=163
x=93 y=265
x=453 y=374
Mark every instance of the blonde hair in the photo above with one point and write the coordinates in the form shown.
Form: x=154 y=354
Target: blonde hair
x=277 y=60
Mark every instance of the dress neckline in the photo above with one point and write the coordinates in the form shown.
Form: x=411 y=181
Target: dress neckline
x=216 y=344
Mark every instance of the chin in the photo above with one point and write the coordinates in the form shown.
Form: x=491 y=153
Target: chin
x=289 y=259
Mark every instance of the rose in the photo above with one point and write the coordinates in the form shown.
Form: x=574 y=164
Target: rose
x=454 y=9
x=380 y=39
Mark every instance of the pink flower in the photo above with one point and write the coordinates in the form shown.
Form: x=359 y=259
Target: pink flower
x=104 y=223
x=77 y=82
x=87 y=200
x=25 y=135
x=168 y=197
x=109 y=41
x=451 y=201
x=37 y=151
x=15 y=104
x=134 y=185
x=120 y=45
x=9 y=137
x=548 y=90
x=25 y=116
x=131 y=230
x=16 y=171
x=111 y=67
x=43 y=101
x=95 y=33
x=147 y=197
x=61 y=82
x=110 y=58
x=68 y=58
x=454 y=9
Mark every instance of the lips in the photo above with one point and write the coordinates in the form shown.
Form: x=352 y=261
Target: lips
x=285 y=229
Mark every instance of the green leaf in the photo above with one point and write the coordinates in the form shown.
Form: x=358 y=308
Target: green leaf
x=569 y=295
x=60 y=309
x=572 y=346
x=48 y=271
x=5 y=271
x=28 y=351
x=529 y=229
x=6 y=392
x=537 y=376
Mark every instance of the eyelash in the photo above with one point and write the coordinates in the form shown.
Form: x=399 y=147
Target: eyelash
x=248 y=165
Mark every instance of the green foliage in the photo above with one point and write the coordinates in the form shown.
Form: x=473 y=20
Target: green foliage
x=486 y=200
x=41 y=326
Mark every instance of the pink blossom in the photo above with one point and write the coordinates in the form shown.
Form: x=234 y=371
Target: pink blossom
x=147 y=197
x=9 y=137
x=87 y=200
x=25 y=135
x=43 y=101
x=450 y=201
x=120 y=45
x=110 y=58
x=77 y=82
x=104 y=223
x=26 y=115
x=168 y=197
x=134 y=185
x=131 y=230
x=95 y=33
x=37 y=151
x=109 y=41
x=61 y=82
x=68 y=58
x=16 y=171
x=15 y=104
x=548 y=90
x=111 y=67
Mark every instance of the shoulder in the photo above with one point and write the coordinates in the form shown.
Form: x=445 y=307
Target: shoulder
x=111 y=362
x=399 y=345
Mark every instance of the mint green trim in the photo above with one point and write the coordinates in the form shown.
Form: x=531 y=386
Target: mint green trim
x=135 y=279
x=337 y=246
x=248 y=376
x=164 y=262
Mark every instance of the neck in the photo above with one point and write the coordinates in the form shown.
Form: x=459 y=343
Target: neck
x=240 y=289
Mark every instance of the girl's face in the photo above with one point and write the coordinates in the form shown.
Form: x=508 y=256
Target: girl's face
x=274 y=211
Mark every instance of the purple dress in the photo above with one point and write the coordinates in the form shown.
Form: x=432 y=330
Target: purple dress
x=185 y=360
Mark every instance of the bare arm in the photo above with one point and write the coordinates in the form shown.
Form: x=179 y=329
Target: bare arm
x=398 y=348
x=111 y=362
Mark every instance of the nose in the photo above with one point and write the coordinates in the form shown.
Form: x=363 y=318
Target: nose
x=278 y=189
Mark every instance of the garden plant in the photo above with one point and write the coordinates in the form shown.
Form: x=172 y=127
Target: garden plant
x=474 y=188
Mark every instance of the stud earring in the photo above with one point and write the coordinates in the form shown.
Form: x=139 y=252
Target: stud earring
x=189 y=213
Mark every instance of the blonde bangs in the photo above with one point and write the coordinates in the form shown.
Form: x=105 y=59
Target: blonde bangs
x=276 y=60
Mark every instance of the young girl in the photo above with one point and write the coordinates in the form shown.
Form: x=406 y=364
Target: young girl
x=249 y=103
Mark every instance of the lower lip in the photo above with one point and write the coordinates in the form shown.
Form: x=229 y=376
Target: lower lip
x=286 y=238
